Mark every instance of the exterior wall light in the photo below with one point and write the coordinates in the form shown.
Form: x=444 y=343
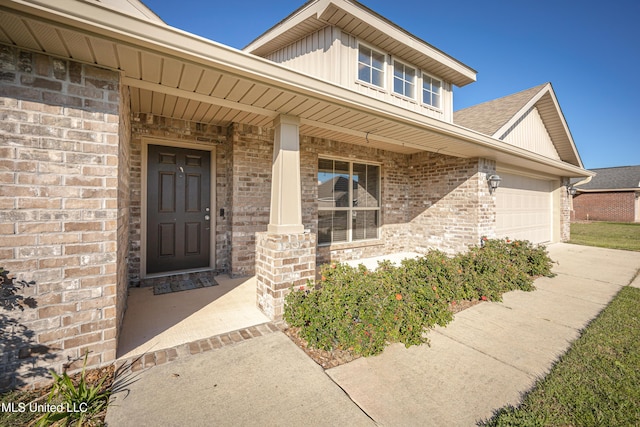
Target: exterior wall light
x=494 y=183
x=571 y=190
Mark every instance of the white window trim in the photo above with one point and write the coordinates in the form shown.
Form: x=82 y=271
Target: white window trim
x=385 y=68
x=424 y=104
x=352 y=208
x=417 y=80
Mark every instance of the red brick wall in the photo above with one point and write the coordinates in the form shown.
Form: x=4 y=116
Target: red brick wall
x=612 y=206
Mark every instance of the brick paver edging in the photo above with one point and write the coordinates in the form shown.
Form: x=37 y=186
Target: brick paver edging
x=160 y=357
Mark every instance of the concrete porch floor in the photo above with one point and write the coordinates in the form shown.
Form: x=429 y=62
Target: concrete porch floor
x=155 y=322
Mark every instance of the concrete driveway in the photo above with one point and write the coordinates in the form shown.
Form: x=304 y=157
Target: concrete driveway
x=486 y=358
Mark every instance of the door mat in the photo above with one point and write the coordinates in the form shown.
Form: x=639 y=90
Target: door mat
x=182 y=282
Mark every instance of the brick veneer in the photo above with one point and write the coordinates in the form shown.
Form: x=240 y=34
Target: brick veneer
x=282 y=261
x=450 y=204
x=605 y=206
x=60 y=218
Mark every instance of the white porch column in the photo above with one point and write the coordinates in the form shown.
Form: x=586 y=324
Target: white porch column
x=286 y=197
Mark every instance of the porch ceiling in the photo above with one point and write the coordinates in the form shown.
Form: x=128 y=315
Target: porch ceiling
x=176 y=74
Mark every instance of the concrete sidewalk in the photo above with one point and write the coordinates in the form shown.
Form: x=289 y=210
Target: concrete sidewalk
x=483 y=360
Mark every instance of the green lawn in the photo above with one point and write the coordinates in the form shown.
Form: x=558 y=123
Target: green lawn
x=614 y=235
x=597 y=382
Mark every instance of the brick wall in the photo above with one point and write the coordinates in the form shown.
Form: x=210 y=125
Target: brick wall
x=612 y=206
x=251 y=193
x=59 y=168
x=565 y=211
x=450 y=204
x=124 y=205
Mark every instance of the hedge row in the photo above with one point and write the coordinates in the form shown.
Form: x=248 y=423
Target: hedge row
x=361 y=310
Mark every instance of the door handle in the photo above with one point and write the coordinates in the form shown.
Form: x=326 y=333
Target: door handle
x=207 y=217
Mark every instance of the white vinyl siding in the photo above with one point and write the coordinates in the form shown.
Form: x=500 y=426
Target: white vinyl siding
x=332 y=55
x=531 y=134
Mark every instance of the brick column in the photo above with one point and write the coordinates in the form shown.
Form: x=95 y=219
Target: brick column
x=285 y=255
x=282 y=261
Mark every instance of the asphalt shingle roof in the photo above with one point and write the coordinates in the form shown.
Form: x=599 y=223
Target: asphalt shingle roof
x=614 y=178
x=490 y=116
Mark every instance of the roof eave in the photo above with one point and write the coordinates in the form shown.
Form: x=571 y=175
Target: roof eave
x=179 y=44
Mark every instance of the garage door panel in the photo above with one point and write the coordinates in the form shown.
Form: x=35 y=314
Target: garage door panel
x=524 y=208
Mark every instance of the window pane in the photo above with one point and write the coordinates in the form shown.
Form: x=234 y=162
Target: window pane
x=397 y=86
x=364 y=225
x=341 y=184
x=398 y=70
x=373 y=190
x=340 y=226
x=376 y=78
x=364 y=73
x=325 y=219
x=359 y=184
x=357 y=225
x=333 y=184
x=408 y=90
x=325 y=183
x=364 y=55
x=365 y=186
x=378 y=60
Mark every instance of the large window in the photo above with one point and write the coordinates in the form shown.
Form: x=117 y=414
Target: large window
x=404 y=78
x=431 y=91
x=348 y=201
x=370 y=66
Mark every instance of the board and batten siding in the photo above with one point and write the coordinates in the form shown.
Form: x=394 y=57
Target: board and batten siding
x=332 y=55
x=530 y=133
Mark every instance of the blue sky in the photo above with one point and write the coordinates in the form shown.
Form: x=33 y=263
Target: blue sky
x=588 y=50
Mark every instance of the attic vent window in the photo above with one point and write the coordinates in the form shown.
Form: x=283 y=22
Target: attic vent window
x=371 y=66
x=431 y=91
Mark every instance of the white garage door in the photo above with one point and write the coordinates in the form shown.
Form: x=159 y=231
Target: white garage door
x=524 y=208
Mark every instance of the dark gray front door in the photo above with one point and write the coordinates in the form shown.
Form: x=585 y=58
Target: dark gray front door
x=178 y=209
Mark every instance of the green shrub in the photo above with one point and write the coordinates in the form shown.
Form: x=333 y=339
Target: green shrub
x=362 y=311
x=81 y=403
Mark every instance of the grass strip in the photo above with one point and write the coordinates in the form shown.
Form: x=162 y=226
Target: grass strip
x=597 y=382
x=613 y=235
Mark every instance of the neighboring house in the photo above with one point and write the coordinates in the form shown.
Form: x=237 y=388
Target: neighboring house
x=131 y=149
x=612 y=195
